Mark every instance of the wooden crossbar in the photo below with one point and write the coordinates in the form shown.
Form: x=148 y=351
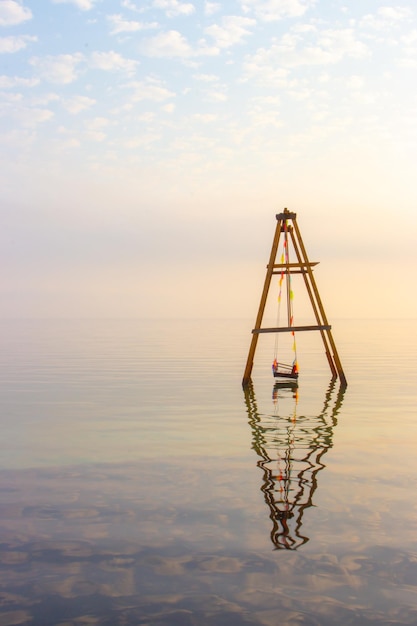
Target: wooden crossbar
x=284 y=265
x=290 y=329
x=290 y=271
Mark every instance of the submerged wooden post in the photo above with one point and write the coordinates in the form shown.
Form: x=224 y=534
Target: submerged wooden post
x=305 y=267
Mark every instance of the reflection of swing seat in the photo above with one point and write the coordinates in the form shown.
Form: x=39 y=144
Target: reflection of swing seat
x=284 y=383
x=281 y=370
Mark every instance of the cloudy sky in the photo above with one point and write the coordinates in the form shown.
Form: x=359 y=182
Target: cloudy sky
x=146 y=147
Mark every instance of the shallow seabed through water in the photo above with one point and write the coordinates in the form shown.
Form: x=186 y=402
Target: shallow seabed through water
x=139 y=484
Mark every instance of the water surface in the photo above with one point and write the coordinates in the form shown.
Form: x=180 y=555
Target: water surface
x=139 y=484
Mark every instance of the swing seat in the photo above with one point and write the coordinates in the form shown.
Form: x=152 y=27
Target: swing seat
x=281 y=370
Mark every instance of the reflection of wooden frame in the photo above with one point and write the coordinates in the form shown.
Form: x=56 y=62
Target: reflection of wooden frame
x=304 y=267
x=299 y=444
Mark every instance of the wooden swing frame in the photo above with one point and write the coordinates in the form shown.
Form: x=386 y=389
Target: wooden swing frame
x=305 y=267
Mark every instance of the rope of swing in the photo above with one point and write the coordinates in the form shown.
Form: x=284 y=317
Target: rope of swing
x=290 y=301
x=284 y=255
x=290 y=297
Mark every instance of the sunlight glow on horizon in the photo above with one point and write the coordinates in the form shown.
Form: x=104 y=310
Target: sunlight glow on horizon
x=146 y=148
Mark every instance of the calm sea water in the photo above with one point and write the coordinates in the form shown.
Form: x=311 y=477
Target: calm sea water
x=139 y=484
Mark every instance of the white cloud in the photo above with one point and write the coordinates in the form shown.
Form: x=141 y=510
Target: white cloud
x=211 y=7
x=271 y=10
x=326 y=47
x=264 y=67
x=168 y=44
x=121 y=25
x=76 y=104
x=396 y=14
x=385 y=18
x=150 y=89
x=8 y=82
x=265 y=111
x=410 y=38
x=409 y=49
x=355 y=83
x=27 y=117
x=206 y=78
x=173 y=8
x=15 y=141
x=331 y=47
x=14 y=44
x=13 y=13
x=147 y=117
x=37 y=116
x=93 y=131
x=323 y=78
x=304 y=28
x=409 y=61
x=95 y=135
x=127 y=4
x=299 y=92
x=266 y=101
x=205 y=118
x=72 y=143
x=173 y=44
x=44 y=99
x=232 y=30
x=217 y=95
x=98 y=123
x=60 y=69
x=144 y=141
x=113 y=61
x=94 y=128
x=10 y=98
x=84 y=5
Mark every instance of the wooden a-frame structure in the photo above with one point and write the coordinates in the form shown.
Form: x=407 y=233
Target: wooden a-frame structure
x=301 y=266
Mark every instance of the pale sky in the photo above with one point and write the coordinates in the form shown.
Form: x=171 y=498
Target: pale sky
x=146 y=147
